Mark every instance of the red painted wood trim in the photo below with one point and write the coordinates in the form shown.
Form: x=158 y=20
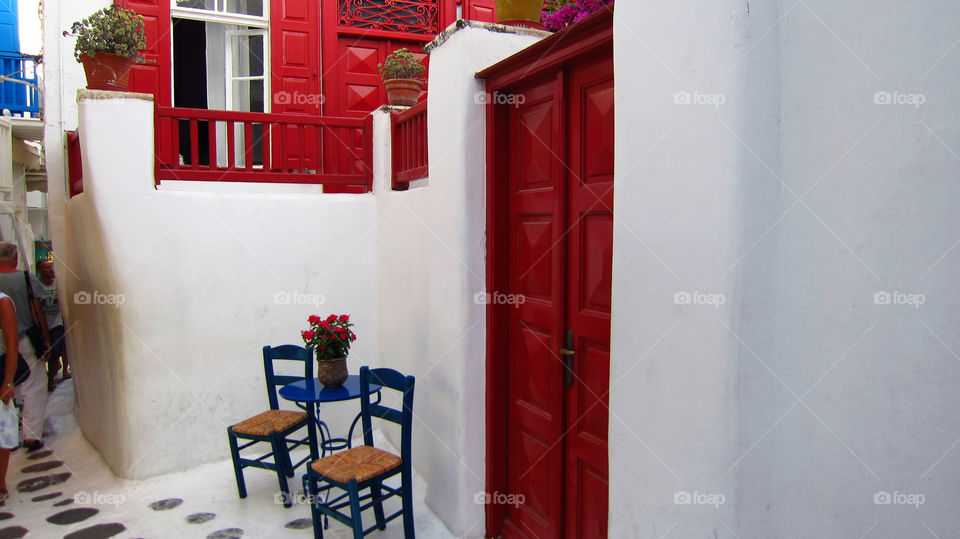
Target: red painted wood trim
x=409 y=154
x=583 y=38
x=349 y=165
x=74 y=163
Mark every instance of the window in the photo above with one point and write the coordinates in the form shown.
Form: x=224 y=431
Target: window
x=221 y=61
x=240 y=7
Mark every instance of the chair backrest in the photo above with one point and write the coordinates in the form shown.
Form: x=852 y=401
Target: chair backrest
x=287 y=352
x=388 y=379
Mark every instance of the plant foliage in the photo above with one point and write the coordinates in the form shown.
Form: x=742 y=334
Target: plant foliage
x=401 y=64
x=112 y=29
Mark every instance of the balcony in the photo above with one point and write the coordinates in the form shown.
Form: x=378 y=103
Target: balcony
x=19 y=90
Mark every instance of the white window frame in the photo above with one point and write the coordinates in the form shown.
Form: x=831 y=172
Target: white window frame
x=223 y=17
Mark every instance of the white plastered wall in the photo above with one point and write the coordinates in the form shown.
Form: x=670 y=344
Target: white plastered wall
x=207 y=278
x=431 y=266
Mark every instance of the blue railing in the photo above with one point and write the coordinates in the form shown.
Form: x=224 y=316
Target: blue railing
x=18 y=84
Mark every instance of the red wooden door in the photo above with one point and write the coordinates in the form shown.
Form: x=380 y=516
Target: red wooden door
x=559 y=246
x=589 y=261
x=535 y=396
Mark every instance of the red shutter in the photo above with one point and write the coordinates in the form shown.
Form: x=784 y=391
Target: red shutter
x=153 y=77
x=480 y=10
x=295 y=77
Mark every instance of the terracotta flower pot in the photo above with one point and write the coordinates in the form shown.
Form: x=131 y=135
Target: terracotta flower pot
x=107 y=71
x=403 y=92
x=332 y=372
x=524 y=13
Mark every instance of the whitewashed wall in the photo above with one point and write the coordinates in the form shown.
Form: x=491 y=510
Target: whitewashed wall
x=206 y=278
x=430 y=268
x=780 y=183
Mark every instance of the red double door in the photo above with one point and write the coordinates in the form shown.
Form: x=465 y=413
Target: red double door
x=557 y=166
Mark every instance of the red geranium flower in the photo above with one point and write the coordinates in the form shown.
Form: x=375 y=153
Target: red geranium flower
x=344 y=317
x=314 y=319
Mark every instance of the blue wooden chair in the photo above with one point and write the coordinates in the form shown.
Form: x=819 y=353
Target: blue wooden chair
x=275 y=425
x=365 y=466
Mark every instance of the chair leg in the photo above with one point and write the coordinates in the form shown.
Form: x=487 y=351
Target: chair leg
x=355 y=515
x=407 y=500
x=377 y=496
x=237 y=468
x=280 y=460
x=310 y=489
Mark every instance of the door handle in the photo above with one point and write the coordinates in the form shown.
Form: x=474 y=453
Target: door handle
x=567 y=354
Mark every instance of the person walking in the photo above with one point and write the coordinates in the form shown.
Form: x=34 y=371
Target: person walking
x=14 y=283
x=51 y=308
x=11 y=343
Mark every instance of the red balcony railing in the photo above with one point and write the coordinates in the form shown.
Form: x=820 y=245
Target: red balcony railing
x=228 y=146
x=409 y=146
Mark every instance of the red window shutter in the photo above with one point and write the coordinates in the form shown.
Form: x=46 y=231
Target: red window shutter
x=480 y=10
x=295 y=55
x=154 y=76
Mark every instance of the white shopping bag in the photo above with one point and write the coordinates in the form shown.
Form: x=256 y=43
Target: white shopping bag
x=9 y=425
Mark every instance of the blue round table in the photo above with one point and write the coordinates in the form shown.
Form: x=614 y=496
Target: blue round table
x=309 y=394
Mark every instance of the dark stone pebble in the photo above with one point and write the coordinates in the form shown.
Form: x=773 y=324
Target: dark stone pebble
x=5 y=516
x=99 y=531
x=13 y=532
x=229 y=533
x=61 y=503
x=299 y=524
x=45 y=497
x=164 y=505
x=42 y=466
x=36 y=483
x=200 y=518
x=39 y=455
x=72 y=516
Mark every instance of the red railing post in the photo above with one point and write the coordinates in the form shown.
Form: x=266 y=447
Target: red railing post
x=409 y=153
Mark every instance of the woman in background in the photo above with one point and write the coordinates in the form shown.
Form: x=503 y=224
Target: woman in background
x=10 y=349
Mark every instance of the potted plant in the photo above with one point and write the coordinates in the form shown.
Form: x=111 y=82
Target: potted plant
x=402 y=75
x=524 y=13
x=330 y=337
x=108 y=44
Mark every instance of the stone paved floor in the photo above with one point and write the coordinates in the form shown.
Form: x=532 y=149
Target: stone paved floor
x=66 y=490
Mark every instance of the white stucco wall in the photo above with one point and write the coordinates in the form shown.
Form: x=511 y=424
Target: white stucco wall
x=800 y=398
x=431 y=265
x=63 y=76
x=161 y=376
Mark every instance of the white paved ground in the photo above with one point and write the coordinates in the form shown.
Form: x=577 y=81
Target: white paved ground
x=209 y=489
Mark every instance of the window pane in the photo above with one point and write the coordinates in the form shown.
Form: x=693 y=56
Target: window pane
x=248 y=95
x=246 y=7
x=198 y=4
x=247 y=55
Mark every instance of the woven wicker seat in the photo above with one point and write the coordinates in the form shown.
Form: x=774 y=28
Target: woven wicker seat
x=360 y=463
x=269 y=421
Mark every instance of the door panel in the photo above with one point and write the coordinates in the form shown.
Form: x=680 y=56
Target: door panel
x=535 y=396
x=589 y=259
x=153 y=77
